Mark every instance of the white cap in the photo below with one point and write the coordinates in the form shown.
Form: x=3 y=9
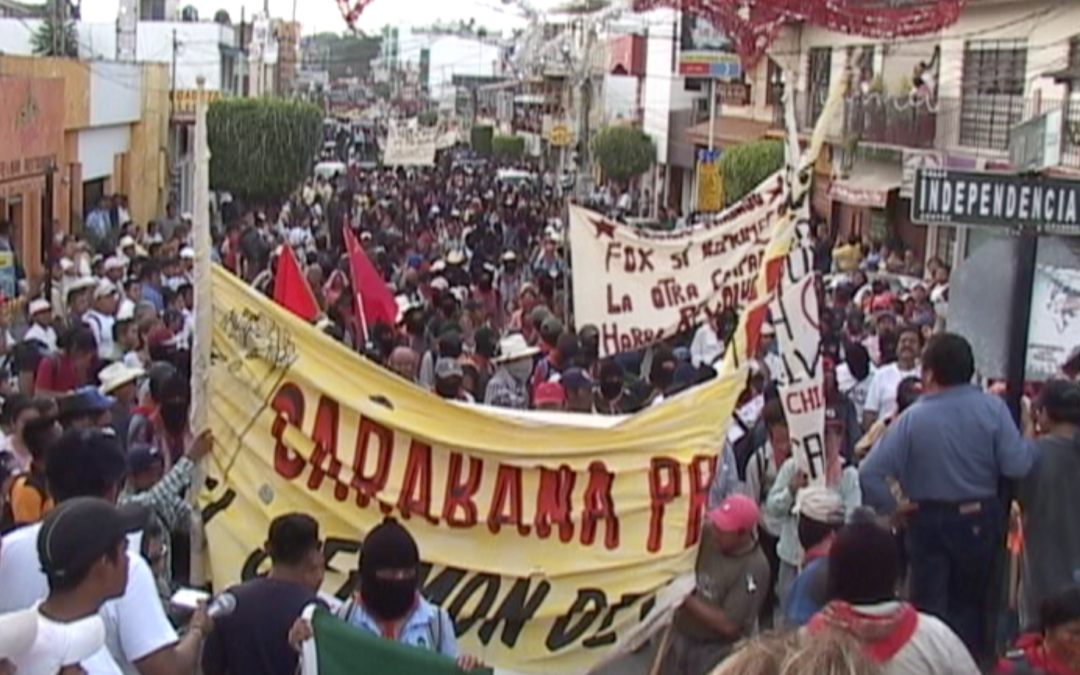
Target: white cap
x=127 y=240
x=821 y=504
x=438 y=266
x=81 y=284
x=187 y=253
x=126 y=311
x=113 y=263
x=38 y=306
x=186 y=216
x=105 y=288
x=440 y=284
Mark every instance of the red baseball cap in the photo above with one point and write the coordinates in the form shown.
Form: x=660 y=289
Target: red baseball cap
x=549 y=392
x=737 y=513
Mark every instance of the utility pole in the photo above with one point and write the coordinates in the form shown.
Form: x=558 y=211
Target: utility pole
x=174 y=151
x=584 y=178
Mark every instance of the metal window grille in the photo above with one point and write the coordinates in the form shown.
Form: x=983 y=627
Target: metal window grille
x=992 y=92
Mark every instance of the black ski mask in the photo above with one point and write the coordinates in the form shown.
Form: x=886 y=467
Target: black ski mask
x=389 y=569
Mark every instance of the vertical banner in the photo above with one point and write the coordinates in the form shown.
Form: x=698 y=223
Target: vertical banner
x=710 y=196
x=796 y=318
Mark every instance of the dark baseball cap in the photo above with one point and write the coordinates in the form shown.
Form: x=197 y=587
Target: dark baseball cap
x=81 y=530
x=575 y=379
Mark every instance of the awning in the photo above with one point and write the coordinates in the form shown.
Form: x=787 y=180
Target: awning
x=868 y=186
x=729 y=131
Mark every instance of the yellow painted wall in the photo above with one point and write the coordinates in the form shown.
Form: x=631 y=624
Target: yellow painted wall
x=144 y=178
x=76 y=77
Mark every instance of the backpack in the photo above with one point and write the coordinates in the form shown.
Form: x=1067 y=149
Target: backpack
x=30 y=480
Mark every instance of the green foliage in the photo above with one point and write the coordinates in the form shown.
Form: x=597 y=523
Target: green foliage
x=55 y=38
x=745 y=166
x=508 y=147
x=348 y=55
x=261 y=149
x=481 y=140
x=623 y=152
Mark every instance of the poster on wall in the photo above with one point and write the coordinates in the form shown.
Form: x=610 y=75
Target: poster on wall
x=1054 y=331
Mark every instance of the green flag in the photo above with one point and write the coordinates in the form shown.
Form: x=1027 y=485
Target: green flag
x=342 y=649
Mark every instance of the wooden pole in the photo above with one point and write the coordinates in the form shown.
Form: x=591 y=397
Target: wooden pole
x=200 y=349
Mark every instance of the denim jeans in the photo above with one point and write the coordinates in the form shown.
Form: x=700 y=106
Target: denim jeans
x=953 y=551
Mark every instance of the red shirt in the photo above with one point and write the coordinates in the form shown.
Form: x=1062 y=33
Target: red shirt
x=58 y=374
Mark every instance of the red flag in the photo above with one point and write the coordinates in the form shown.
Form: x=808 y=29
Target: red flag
x=374 y=301
x=291 y=289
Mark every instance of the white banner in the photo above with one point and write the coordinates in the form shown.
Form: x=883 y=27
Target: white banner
x=638 y=286
x=410 y=146
x=448 y=135
x=795 y=316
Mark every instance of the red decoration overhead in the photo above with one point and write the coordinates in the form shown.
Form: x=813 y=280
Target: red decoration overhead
x=752 y=24
x=351 y=11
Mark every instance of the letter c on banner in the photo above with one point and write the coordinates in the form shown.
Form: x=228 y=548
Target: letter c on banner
x=289 y=404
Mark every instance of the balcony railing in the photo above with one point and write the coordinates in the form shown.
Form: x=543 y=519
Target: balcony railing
x=975 y=126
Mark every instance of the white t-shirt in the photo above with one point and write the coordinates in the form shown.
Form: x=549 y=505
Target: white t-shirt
x=101 y=325
x=856 y=391
x=135 y=623
x=46 y=335
x=52 y=642
x=934 y=649
x=706 y=349
x=881 y=399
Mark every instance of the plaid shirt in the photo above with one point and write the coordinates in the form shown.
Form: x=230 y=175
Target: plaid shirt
x=166 y=498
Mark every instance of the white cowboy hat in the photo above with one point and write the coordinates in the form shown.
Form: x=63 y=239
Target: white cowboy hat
x=514 y=347
x=114 y=376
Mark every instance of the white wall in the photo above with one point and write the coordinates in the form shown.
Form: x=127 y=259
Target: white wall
x=97 y=147
x=658 y=76
x=15 y=36
x=115 y=93
x=620 y=97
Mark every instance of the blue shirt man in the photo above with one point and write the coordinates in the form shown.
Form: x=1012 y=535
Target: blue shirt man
x=949 y=451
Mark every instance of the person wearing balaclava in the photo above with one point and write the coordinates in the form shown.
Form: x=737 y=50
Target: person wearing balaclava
x=388 y=602
x=508 y=387
x=611 y=397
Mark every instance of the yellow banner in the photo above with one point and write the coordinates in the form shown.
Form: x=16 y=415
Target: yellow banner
x=710 y=195
x=552 y=540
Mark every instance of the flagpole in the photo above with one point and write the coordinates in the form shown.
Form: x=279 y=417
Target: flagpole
x=199 y=414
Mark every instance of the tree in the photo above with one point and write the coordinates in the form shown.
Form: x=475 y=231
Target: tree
x=745 y=166
x=623 y=153
x=55 y=37
x=345 y=55
x=508 y=147
x=222 y=17
x=261 y=149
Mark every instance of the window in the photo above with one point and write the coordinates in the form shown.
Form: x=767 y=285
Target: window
x=992 y=92
x=820 y=72
x=774 y=94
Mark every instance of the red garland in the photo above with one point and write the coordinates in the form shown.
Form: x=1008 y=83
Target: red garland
x=752 y=25
x=351 y=11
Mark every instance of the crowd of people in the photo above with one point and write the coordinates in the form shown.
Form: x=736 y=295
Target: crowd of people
x=896 y=558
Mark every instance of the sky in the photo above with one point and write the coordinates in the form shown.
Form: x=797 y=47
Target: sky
x=323 y=15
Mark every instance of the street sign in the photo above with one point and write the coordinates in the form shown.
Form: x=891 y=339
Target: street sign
x=996 y=200
x=561 y=136
x=1035 y=145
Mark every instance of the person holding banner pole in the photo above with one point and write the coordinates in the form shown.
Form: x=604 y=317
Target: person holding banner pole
x=783 y=496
